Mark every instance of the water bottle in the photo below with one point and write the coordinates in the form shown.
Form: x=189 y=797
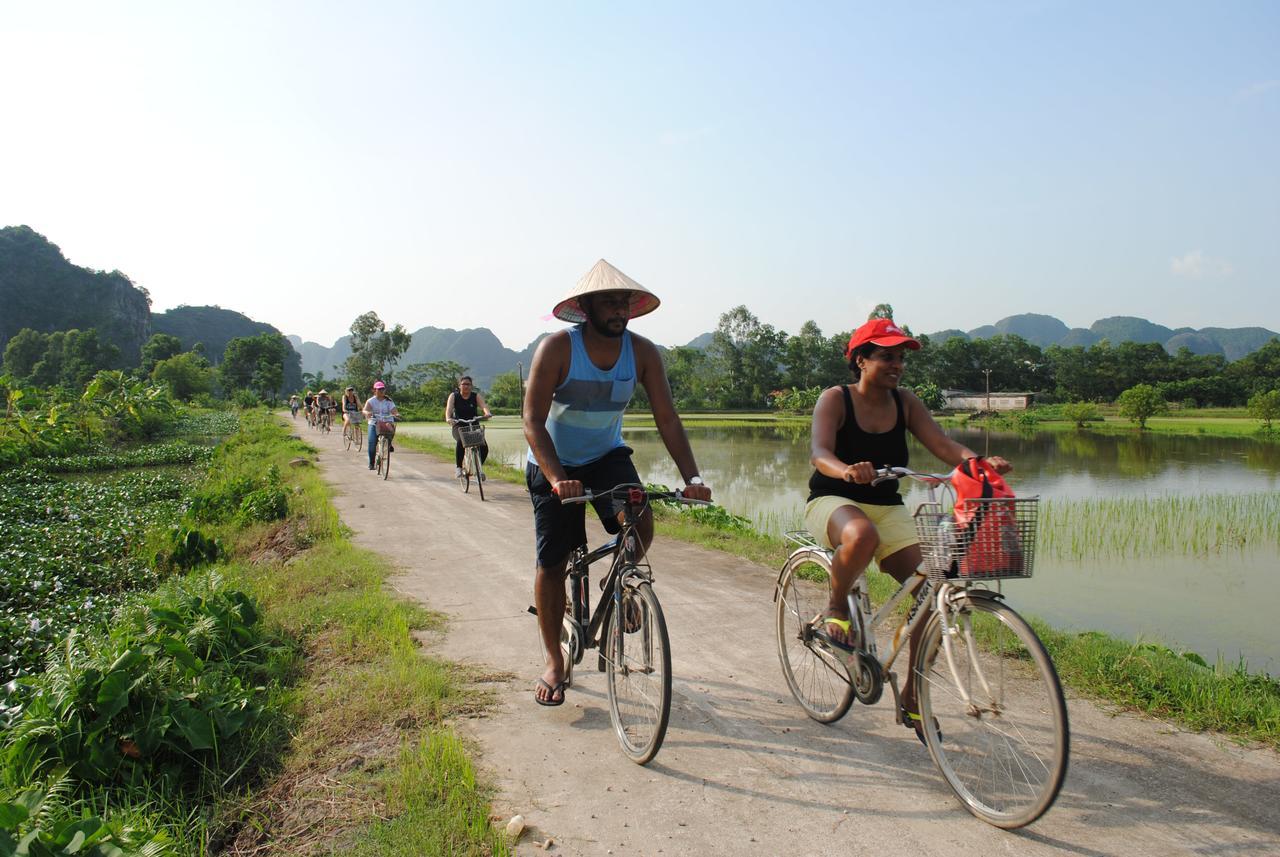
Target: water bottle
x=946 y=549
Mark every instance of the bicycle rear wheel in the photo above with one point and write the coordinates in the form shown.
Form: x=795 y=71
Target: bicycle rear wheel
x=474 y=452
x=638 y=668
x=818 y=678
x=1004 y=750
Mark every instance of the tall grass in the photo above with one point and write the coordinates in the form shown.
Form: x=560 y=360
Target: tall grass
x=1127 y=527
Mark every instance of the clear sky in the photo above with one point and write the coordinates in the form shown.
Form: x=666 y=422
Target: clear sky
x=461 y=165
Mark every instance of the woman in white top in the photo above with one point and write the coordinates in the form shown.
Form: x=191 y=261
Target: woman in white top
x=378 y=405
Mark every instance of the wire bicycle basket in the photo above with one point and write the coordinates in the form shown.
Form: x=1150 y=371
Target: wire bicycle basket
x=979 y=539
x=470 y=437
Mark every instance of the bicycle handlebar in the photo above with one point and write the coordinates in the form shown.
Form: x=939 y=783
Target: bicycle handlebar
x=587 y=496
x=886 y=474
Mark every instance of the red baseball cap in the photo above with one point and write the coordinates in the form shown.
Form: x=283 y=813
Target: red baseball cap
x=880 y=331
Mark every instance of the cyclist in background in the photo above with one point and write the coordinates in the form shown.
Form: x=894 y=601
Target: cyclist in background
x=378 y=405
x=464 y=404
x=324 y=405
x=293 y=405
x=308 y=407
x=856 y=428
x=579 y=385
x=350 y=409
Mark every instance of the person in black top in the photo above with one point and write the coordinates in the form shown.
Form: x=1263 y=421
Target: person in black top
x=857 y=428
x=464 y=404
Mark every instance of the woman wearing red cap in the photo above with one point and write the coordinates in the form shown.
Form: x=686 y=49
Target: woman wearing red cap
x=857 y=428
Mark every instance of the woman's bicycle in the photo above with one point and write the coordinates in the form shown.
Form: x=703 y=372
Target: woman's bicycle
x=471 y=433
x=995 y=720
x=385 y=428
x=627 y=628
x=352 y=431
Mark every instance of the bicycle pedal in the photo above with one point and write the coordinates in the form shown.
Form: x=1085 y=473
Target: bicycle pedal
x=533 y=610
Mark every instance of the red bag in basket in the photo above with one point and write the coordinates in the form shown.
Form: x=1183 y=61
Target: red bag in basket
x=986 y=527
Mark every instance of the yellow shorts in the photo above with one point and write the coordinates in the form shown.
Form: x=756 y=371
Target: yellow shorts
x=893 y=523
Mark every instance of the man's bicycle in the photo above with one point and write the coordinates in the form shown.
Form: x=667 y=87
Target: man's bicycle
x=352 y=432
x=326 y=420
x=995 y=720
x=471 y=433
x=627 y=628
x=385 y=428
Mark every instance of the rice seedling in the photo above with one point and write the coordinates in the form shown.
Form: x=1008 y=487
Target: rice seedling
x=1121 y=527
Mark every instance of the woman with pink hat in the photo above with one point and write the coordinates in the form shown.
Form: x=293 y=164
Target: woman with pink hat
x=857 y=428
x=378 y=406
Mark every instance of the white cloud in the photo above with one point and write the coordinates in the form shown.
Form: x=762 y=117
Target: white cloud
x=1197 y=265
x=1254 y=90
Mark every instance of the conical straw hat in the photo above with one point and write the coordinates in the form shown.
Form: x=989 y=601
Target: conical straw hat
x=603 y=277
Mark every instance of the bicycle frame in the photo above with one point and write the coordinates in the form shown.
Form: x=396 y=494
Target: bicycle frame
x=623 y=567
x=918 y=586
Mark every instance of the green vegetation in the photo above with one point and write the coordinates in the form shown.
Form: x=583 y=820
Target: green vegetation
x=373 y=350
x=1141 y=402
x=236 y=702
x=1265 y=408
x=41 y=290
x=1120 y=527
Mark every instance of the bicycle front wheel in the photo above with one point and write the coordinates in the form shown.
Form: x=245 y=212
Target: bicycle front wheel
x=358 y=432
x=638 y=666
x=347 y=438
x=818 y=678
x=996 y=718
x=475 y=468
x=385 y=445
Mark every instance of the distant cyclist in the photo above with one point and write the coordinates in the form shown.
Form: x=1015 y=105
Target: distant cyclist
x=378 y=406
x=350 y=408
x=465 y=404
x=293 y=405
x=308 y=408
x=324 y=404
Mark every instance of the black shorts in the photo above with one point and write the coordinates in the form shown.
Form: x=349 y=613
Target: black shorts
x=559 y=528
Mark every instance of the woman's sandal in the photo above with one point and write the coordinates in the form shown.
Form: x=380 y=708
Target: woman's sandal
x=911 y=720
x=820 y=624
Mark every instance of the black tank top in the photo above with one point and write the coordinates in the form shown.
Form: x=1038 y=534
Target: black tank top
x=854 y=445
x=463 y=409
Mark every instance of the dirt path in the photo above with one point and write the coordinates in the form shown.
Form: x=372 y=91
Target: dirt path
x=743 y=771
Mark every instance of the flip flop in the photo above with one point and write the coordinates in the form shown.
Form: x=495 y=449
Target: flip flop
x=551 y=699
x=820 y=624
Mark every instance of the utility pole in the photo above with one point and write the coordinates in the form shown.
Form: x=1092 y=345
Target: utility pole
x=986 y=448
x=520 y=372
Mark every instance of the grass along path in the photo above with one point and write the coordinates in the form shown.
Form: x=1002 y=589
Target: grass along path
x=1137 y=676
x=373 y=767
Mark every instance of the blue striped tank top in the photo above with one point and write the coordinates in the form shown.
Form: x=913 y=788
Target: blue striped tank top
x=585 y=420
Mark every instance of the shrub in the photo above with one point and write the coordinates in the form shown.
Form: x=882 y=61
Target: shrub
x=1080 y=413
x=160 y=699
x=265 y=504
x=1141 y=402
x=1265 y=407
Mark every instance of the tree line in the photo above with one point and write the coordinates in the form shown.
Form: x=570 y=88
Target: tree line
x=751 y=365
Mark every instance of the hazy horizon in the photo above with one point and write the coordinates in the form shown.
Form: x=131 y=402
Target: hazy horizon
x=462 y=166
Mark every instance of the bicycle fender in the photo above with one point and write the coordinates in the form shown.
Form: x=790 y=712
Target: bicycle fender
x=984 y=594
x=807 y=552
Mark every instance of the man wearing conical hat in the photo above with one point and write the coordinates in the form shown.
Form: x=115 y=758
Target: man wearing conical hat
x=579 y=385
